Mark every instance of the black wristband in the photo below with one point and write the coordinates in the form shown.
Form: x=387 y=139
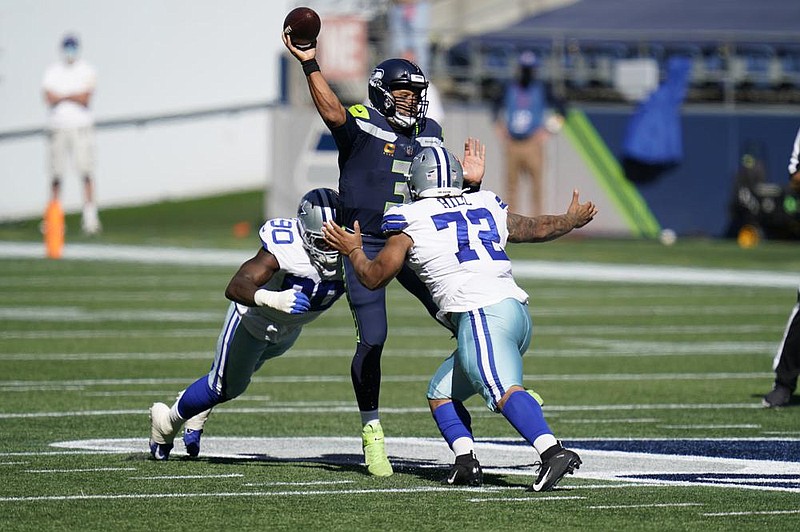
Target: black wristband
x=310 y=66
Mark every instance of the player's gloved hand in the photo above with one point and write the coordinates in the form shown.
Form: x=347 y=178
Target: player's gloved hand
x=290 y=301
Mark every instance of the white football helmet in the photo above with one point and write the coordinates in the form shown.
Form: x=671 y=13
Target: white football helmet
x=317 y=207
x=435 y=173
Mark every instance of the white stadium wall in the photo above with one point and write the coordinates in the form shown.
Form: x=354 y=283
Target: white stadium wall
x=153 y=58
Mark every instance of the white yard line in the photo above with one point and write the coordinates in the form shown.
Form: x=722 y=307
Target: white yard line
x=528 y=499
x=324 y=493
x=695 y=427
x=766 y=512
x=413 y=410
x=87 y=470
x=292 y=379
x=585 y=345
x=182 y=477
x=317 y=483
x=624 y=506
x=622 y=273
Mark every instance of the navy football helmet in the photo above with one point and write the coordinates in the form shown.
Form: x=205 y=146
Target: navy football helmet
x=317 y=207
x=396 y=74
x=435 y=173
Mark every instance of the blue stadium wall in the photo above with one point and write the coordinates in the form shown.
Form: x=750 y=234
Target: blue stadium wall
x=694 y=197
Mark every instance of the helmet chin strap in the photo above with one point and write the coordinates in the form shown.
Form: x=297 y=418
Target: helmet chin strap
x=401 y=120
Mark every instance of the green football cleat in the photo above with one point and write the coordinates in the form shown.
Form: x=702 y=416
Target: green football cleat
x=375 y=451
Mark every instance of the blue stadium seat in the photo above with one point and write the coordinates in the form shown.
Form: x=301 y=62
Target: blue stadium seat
x=756 y=66
x=576 y=68
x=789 y=59
x=601 y=57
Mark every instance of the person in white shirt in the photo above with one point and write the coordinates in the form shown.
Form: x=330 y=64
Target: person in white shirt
x=455 y=242
x=68 y=87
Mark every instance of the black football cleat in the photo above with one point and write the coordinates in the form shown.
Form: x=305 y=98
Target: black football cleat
x=555 y=465
x=465 y=472
x=779 y=396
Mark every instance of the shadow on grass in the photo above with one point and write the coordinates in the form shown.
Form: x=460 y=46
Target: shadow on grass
x=428 y=471
x=794 y=401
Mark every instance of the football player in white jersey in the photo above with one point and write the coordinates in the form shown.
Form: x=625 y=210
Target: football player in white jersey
x=455 y=242
x=293 y=278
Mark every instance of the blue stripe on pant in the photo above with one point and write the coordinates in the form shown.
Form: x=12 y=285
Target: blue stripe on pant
x=239 y=355
x=488 y=359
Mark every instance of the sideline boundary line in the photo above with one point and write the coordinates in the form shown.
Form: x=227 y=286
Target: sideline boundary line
x=623 y=273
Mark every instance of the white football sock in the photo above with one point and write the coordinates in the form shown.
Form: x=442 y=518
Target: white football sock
x=463 y=445
x=544 y=442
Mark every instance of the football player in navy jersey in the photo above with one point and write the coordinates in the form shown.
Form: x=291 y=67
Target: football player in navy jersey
x=376 y=144
x=293 y=278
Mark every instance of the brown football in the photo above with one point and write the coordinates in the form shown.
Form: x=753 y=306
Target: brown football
x=302 y=24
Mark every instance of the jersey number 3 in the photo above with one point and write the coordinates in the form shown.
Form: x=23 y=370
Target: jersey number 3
x=490 y=238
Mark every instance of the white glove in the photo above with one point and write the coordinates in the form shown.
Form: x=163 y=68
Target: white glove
x=290 y=301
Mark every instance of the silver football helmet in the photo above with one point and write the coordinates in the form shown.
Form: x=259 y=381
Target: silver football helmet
x=317 y=207
x=435 y=173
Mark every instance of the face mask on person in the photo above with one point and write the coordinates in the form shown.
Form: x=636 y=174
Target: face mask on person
x=70 y=53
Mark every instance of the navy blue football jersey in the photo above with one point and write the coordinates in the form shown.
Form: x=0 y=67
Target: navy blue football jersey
x=373 y=160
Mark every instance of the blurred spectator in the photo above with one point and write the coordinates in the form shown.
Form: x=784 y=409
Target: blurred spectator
x=68 y=87
x=760 y=208
x=745 y=204
x=409 y=25
x=522 y=124
x=653 y=142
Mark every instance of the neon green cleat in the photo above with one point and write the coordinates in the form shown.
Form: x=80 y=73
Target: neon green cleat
x=536 y=396
x=375 y=451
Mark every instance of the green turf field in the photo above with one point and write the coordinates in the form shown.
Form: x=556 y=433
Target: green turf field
x=88 y=345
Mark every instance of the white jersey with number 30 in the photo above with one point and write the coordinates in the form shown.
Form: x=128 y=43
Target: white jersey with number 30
x=459 y=249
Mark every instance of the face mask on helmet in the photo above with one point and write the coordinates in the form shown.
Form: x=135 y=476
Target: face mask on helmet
x=435 y=173
x=399 y=75
x=317 y=207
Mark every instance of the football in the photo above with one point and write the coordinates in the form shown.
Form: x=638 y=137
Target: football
x=302 y=25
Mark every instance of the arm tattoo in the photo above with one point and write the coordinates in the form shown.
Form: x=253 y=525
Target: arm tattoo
x=539 y=228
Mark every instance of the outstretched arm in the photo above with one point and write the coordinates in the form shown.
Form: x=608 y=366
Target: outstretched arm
x=245 y=286
x=474 y=162
x=328 y=105
x=372 y=273
x=549 y=227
